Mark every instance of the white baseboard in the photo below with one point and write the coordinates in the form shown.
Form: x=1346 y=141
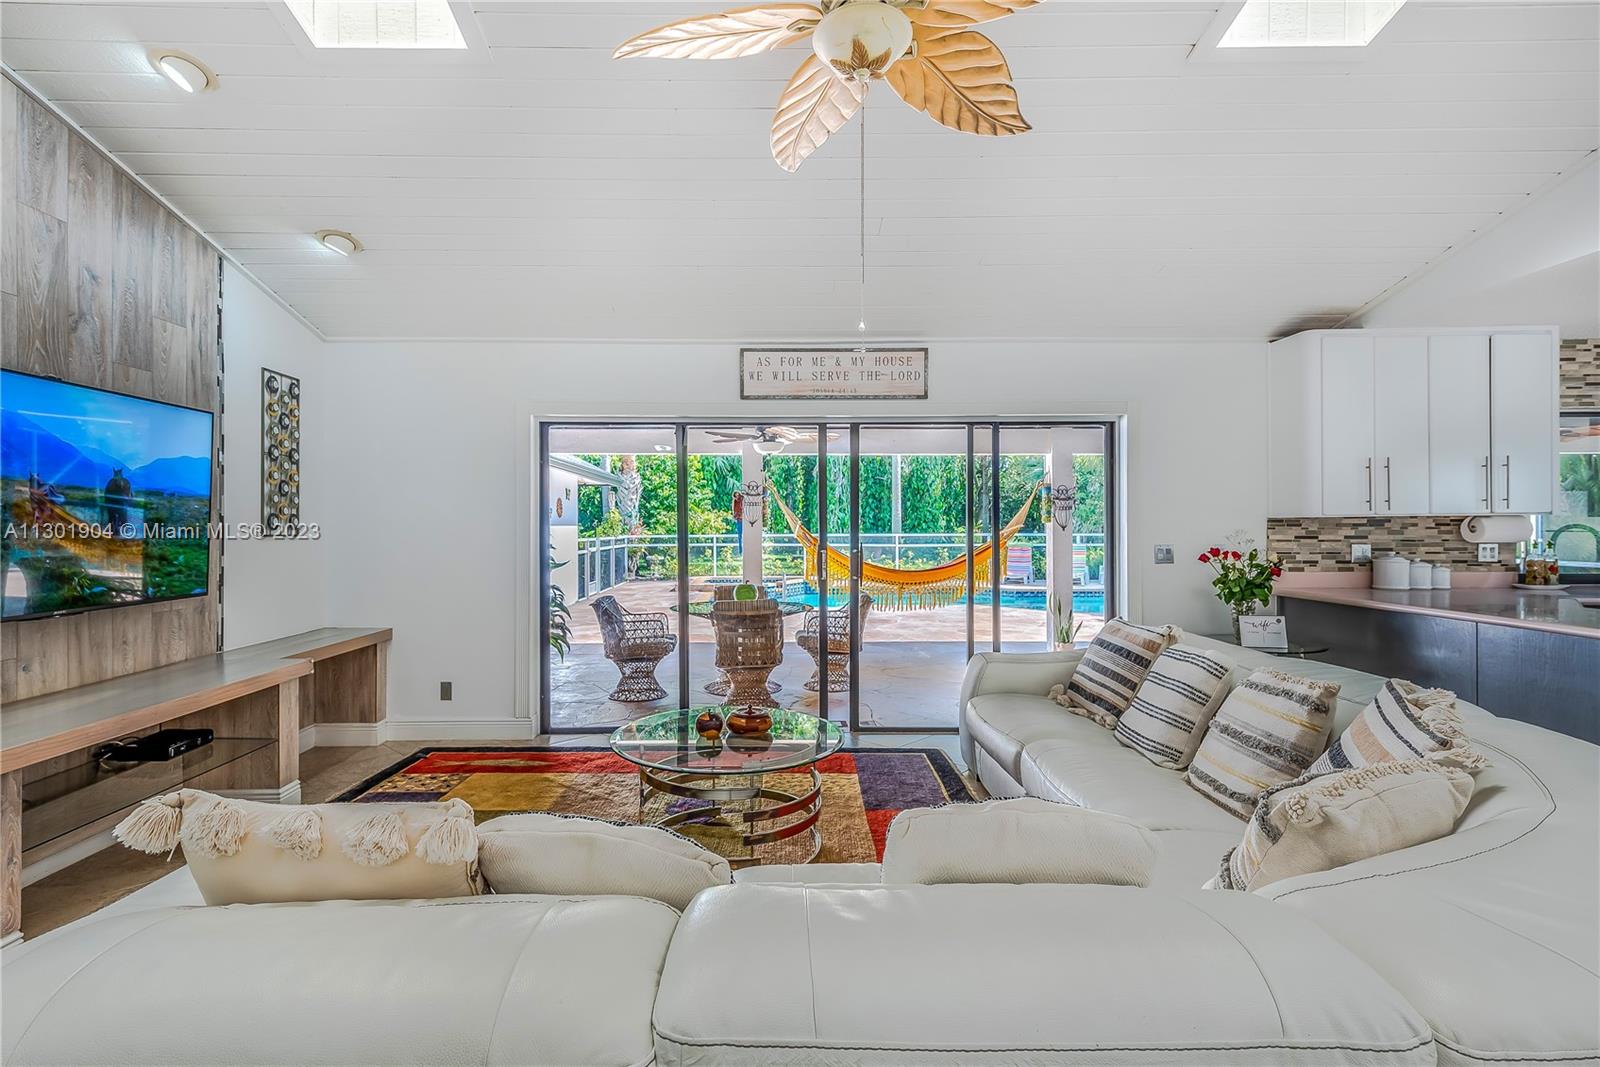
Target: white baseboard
x=461 y=730
x=13 y=938
x=347 y=734
x=78 y=850
x=308 y=737
x=288 y=794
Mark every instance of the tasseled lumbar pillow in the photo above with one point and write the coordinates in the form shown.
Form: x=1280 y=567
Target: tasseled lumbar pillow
x=1112 y=669
x=245 y=852
x=1170 y=712
x=1404 y=721
x=1269 y=730
x=1319 y=822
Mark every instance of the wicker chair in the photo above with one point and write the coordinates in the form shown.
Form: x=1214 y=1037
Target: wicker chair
x=838 y=646
x=749 y=648
x=635 y=642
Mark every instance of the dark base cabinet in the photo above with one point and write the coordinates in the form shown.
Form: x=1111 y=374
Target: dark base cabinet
x=1549 y=679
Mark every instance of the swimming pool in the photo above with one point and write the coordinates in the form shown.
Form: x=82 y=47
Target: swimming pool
x=1083 y=602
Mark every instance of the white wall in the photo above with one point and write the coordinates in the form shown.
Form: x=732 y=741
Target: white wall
x=430 y=528
x=1539 y=266
x=271 y=588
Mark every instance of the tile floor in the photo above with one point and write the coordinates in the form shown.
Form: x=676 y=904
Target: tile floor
x=92 y=883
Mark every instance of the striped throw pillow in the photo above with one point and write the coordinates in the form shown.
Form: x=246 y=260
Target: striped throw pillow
x=1404 y=721
x=1319 y=822
x=1112 y=669
x=1173 y=707
x=1269 y=730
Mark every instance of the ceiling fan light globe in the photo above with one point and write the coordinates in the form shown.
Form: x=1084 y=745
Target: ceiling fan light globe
x=862 y=39
x=767 y=448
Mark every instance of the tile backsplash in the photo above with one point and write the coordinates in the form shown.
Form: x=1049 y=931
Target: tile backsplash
x=1323 y=544
x=1580 y=375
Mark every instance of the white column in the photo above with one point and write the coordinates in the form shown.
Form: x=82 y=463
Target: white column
x=895 y=510
x=750 y=532
x=1058 y=542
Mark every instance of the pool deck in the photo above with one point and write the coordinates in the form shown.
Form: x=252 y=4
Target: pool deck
x=911 y=661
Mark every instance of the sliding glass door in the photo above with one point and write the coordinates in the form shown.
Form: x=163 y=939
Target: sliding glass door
x=891 y=550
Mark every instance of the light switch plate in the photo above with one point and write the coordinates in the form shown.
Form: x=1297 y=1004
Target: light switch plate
x=1163 y=553
x=1361 y=553
x=1489 y=552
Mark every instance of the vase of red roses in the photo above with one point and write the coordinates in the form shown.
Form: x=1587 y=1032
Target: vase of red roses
x=1243 y=580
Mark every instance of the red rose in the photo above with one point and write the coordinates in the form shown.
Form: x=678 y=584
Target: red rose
x=1277 y=572
x=1215 y=552
x=1236 y=555
x=1205 y=557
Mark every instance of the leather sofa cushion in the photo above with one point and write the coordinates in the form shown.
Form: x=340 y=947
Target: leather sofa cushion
x=810 y=874
x=1016 y=841
x=538 y=852
x=1036 y=974
x=1003 y=724
x=1119 y=780
x=481 y=980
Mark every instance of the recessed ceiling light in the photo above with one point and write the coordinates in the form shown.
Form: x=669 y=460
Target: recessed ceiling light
x=184 y=71
x=339 y=241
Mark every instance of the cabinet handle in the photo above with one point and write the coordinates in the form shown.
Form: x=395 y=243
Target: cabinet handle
x=1508 y=480
x=1486 y=481
x=1388 y=485
x=1369 y=484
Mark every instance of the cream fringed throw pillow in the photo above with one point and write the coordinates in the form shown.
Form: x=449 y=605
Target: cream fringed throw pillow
x=1269 y=730
x=1112 y=669
x=544 y=853
x=244 y=852
x=1404 y=721
x=1170 y=713
x=1317 y=823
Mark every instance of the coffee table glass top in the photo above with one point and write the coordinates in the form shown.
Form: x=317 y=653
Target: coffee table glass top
x=667 y=741
x=701 y=609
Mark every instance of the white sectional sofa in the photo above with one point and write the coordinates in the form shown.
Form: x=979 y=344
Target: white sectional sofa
x=1479 y=948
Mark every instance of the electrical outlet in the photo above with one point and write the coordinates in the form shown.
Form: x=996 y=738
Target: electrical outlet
x=1488 y=552
x=445 y=691
x=1361 y=553
x=1163 y=553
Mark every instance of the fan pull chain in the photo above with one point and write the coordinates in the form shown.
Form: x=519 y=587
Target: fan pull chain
x=861 y=324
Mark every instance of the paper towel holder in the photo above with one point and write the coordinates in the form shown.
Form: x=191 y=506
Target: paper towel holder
x=1500 y=529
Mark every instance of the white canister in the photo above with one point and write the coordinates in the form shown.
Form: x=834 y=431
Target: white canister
x=1441 y=576
x=1421 y=575
x=1390 y=571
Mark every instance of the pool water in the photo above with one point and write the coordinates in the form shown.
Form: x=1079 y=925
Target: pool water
x=1083 y=603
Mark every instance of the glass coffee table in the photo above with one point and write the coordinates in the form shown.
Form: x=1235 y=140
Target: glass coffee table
x=737 y=809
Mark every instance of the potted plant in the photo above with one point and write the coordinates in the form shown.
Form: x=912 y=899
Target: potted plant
x=1243 y=580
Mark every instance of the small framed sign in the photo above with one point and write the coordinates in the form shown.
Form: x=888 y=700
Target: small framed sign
x=1263 y=631
x=833 y=374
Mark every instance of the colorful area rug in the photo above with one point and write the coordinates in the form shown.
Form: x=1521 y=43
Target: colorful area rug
x=862 y=789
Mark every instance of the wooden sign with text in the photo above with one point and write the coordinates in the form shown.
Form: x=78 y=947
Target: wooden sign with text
x=833 y=374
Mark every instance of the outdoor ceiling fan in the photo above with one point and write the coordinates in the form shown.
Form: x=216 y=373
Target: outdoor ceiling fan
x=925 y=49
x=769 y=440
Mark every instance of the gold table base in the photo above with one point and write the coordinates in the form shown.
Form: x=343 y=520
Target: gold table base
x=791 y=814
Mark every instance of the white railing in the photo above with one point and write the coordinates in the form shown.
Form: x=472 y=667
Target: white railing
x=605 y=561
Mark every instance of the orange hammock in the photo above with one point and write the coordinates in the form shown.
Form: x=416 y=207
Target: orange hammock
x=897 y=588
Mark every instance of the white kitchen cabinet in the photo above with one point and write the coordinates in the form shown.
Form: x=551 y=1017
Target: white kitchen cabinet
x=1458 y=423
x=1412 y=422
x=1347 y=425
x=1401 y=418
x=1522 y=422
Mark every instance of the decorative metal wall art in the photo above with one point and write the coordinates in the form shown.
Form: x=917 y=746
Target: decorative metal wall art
x=280 y=452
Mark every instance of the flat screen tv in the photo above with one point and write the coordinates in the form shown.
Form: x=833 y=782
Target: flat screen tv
x=107 y=498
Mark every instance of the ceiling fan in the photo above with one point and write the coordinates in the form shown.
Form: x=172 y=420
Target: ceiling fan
x=769 y=440
x=925 y=49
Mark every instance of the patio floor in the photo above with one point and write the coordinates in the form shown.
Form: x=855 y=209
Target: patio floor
x=911 y=662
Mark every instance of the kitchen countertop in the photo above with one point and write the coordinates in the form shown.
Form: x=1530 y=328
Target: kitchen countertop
x=1552 y=612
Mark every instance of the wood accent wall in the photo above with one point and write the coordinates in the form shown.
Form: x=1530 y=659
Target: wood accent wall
x=101 y=285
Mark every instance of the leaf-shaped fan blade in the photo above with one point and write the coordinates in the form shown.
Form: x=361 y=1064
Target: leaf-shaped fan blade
x=960 y=79
x=729 y=35
x=814 y=104
x=945 y=14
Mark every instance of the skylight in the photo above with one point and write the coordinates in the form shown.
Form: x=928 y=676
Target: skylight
x=1308 y=23
x=378 y=23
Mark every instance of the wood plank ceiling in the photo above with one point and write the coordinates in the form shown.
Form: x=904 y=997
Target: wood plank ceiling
x=545 y=190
